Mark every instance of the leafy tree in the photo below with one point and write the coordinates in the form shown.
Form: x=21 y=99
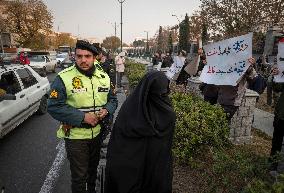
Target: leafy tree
x=3 y=28
x=184 y=34
x=258 y=42
x=31 y=21
x=236 y=17
x=64 y=39
x=138 y=43
x=111 y=43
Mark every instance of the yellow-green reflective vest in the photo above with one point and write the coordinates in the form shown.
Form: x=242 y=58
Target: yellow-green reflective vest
x=86 y=94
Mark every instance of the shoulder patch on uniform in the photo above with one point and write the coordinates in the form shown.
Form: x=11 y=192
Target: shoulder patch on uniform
x=53 y=94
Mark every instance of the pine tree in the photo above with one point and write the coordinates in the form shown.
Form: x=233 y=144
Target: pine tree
x=170 y=42
x=160 y=39
x=184 y=34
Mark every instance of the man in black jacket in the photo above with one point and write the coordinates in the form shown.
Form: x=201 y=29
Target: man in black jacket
x=278 y=122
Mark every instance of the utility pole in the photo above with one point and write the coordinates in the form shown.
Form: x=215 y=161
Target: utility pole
x=114 y=26
x=115 y=29
x=121 y=1
x=78 y=31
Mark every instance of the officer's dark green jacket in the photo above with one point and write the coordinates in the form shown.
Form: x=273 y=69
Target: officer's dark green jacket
x=73 y=94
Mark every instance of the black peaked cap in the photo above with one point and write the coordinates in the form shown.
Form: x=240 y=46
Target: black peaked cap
x=84 y=45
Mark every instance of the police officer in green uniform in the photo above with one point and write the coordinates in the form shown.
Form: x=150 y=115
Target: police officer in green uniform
x=106 y=63
x=80 y=98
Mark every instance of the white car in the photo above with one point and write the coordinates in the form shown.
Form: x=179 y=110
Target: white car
x=60 y=57
x=22 y=93
x=42 y=64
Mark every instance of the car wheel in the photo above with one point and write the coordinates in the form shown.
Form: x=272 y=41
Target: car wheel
x=43 y=106
x=44 y=72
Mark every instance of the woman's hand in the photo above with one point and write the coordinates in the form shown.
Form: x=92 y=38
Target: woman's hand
x=275 y=71
x=251 y=60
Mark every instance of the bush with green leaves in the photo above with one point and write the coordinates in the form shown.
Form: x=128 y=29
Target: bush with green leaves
x=135 y=71
x=259 y=186
x=198 y=125
x=233 y=167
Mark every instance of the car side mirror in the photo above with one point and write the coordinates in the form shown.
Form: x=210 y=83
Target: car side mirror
x=7 y=97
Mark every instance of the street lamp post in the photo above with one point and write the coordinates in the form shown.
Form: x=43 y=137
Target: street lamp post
x=177 y=26
x=121 y=1
x=177 y=18
x=147 y=44
x=59 y=26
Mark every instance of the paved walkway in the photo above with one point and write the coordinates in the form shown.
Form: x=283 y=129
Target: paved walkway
x=263 y=121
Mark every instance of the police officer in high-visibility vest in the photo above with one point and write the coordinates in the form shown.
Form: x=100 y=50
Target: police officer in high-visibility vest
x=104 y=63
x=80 y=98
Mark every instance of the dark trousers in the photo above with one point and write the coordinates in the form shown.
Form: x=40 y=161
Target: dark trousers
x=277 y=139
x=211 y=100
x=230 y=110
x=119 y=77
x=84 y=156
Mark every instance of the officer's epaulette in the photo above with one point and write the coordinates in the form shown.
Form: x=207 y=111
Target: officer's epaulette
x=98 y=66
x=67 y=69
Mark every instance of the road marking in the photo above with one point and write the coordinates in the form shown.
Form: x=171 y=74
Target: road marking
x=53 y=173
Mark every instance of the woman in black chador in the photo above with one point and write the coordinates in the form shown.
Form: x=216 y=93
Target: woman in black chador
x=139 y=156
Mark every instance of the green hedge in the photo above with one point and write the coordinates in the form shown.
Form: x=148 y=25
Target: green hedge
x=134 y=71
x=198 y=125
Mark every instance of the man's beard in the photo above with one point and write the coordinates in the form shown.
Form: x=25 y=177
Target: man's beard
x=88 y=72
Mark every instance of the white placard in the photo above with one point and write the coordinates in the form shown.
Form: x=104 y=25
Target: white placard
x=176 y=66
x=280 y=63
x=159 y=66
x=227 y=60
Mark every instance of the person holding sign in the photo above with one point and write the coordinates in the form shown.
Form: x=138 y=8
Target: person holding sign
x=229 y=65
x=230 y=97
x=278 y=122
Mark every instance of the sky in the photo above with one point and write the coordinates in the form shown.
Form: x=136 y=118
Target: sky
x=96 y=18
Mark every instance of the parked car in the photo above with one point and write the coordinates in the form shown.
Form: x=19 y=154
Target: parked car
x=66 y=63
x=9 y=58
x=61 y=56
x=42 y=64
x=22 y=93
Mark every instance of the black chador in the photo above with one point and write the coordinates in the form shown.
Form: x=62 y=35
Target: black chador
x=139 y=156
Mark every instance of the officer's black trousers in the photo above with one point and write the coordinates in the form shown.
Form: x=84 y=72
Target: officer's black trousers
x=84 y=156
x=277 y=139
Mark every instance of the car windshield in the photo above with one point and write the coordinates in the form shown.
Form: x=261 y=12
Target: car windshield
x=38 y=58
x=61 y=56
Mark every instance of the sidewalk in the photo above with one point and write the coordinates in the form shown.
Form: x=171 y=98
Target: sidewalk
x=263 y=121
x=141 y=60
x=121 y=96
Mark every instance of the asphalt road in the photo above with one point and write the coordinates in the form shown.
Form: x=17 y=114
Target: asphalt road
x=32 y=159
